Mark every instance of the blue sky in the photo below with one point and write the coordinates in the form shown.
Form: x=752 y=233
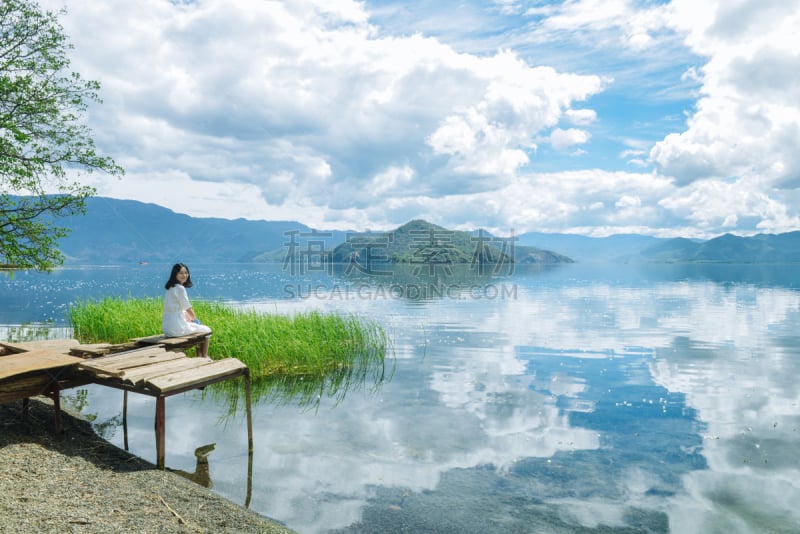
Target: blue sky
x=596 y=117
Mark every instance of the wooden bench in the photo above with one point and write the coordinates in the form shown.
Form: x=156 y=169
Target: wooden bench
x=172 y=343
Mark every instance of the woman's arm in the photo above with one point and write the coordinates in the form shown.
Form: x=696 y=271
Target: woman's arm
x=183 y=301
x=190 y=316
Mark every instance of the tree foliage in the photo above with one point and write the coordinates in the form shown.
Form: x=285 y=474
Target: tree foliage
x=44 y=144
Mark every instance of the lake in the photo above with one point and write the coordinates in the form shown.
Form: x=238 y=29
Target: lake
x=576 y=398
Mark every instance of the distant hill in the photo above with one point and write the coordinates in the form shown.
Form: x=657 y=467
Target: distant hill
x=614 y=248
x=126 y=231
x=788 y=244
x=632 y=248
x=669 y=250
x=728 y=248
x=420 y=242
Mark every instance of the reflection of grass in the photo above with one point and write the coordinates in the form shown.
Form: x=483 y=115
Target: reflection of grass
x=33 y=332
x=310 y=344
x=305 y=391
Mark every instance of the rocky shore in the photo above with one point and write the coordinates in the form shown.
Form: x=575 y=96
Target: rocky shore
x=78 y=482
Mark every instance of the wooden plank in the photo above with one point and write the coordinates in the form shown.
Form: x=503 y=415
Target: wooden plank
x=182 y=341
x=97 y=376
x=148 y=372
x=112 y=365
x=171 y=341
x=117 y=366
x=149 y=339
x=17 y=388
x=205 y=374
x=121 y=356
x=96 y=350
x=25 y=362
x=54 y=345
x=91 y=349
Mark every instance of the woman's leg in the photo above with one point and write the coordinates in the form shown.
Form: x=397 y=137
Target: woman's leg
x=202 y=349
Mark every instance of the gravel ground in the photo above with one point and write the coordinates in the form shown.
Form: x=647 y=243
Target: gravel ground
x=78 y=482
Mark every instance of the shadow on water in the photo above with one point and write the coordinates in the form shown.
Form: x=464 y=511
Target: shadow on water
x=201 y=474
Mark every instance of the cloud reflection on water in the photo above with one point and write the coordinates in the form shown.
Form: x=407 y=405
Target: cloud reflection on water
x=592 y=399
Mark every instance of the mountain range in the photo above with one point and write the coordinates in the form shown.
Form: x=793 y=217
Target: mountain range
x=125 y=231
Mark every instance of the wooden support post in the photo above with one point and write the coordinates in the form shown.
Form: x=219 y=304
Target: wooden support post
x=125 y=418
x=57 y=407
x=249 y=439
x=249 y=410
x=25 y=403
x=160 y=428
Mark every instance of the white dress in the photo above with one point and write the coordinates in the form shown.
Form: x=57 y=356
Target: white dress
x=174 y=322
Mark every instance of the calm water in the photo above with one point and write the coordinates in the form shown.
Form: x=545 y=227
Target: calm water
x=582 y=398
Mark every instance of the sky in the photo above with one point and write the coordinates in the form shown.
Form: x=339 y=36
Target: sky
x=594 y=117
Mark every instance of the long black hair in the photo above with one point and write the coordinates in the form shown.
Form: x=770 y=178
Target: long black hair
x=173 y=276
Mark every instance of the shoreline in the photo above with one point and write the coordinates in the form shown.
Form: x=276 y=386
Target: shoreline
x=78 y=482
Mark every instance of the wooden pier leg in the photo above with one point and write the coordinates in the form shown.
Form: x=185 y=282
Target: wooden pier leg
x=249 y=410
x=249 y=439
x=125 y=418
x=57 y=407
x=160 y=424
x=25 y=404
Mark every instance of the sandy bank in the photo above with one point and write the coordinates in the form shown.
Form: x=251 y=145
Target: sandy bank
x=78 y=482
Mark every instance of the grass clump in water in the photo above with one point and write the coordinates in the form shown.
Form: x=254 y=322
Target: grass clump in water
x=114 y=320
x=271 y=345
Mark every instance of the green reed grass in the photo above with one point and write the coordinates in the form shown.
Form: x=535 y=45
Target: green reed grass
x=271 y=345
x=114 y=320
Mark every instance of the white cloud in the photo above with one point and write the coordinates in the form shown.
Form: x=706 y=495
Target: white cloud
x=581 y=117
x=720 y=205
x=745 y=124
x=561 y=139
x=230 y=91
x=392 y=179
x=564 y=201
x=628 y=201
x=320 y=115
x=616 y=21
x=491 y=136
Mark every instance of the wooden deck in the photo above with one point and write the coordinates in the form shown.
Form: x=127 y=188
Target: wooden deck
x=157 y=371
x=144 y=366
x=32 y=361
x=37 y=368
